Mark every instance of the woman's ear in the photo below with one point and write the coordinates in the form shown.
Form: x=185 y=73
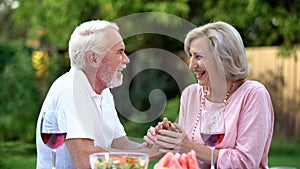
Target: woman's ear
x=92 y=59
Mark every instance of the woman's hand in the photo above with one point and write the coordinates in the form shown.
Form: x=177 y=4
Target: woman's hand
x=152 y=132
x=176 y=141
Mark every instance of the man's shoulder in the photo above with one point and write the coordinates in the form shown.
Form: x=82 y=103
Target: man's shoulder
x=62 y=84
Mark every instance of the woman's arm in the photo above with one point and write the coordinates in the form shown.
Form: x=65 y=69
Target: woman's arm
x=254 y=132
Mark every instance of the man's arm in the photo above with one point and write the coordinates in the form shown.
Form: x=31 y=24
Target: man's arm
x=125 y=144
x=80 y=149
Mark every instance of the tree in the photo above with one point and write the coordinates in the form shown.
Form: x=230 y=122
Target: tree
x=261 y=23
x=19 y=97
x=58 y=18
x=45 y=26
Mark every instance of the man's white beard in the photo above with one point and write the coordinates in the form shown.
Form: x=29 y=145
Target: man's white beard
x=115 y=81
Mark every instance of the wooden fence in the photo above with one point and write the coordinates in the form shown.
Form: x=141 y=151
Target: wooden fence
x=281 y=77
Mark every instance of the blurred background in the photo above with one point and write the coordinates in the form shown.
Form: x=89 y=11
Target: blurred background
x=34 y=38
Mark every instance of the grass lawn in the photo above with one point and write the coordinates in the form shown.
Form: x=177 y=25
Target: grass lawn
x=285 y=153
x=17 y=155
x=23 y=155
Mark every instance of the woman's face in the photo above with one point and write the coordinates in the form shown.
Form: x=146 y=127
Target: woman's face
x=209 y=70
x=200 y=56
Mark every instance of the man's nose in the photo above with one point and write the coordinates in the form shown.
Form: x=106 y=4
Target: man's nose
x=126 y=59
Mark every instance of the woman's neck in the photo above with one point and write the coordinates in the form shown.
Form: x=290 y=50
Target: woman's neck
x=231 y=87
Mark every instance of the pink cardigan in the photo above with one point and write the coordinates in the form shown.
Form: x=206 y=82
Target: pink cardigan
x=249 y=119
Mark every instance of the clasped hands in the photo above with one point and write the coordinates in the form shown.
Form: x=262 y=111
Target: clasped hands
x=167 y=136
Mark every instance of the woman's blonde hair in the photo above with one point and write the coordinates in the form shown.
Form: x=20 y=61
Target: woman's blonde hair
x=226 y=43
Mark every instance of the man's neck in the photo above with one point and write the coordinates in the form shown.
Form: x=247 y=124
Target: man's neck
x=98 y=86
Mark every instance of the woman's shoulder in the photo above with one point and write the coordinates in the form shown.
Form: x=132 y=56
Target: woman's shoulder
x=252 y=84
x=195 y=87
x=192 y=90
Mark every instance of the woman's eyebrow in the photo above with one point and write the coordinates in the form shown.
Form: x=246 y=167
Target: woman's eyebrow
x=198 y=54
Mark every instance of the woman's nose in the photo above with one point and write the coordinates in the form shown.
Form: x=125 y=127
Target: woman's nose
x=192 y=64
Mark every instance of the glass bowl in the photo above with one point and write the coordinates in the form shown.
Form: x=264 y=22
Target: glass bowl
x=119 y=160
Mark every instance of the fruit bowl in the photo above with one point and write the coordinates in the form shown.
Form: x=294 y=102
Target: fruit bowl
x=119 y=160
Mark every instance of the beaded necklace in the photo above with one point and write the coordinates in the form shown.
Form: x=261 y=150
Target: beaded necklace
x=202 y=105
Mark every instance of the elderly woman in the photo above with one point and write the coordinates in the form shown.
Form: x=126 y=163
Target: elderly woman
x=218 y=59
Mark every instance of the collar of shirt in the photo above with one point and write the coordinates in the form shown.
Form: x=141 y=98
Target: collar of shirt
x=80 y=75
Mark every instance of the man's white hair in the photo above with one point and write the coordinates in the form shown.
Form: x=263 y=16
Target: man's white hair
x=90 y=36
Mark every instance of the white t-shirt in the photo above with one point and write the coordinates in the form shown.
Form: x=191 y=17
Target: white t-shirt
x=88 y=115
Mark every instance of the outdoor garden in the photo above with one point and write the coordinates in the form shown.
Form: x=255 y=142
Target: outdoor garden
x=34 y=52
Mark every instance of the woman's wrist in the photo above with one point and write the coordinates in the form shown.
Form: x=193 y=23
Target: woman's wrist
x=204 y=153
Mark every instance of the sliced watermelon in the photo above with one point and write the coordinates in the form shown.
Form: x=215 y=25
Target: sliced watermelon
x=183 y=161
x=165 y=160
x=178 y=161
x=174 y=163
x=192 y=160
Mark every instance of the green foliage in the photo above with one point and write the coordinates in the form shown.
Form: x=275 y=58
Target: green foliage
x=261 y=23
x=171 y=112
x=59 y=17
x=161 y=81
x=47 y=26
x=6 y=54
x=49 y=23
x=19 y=97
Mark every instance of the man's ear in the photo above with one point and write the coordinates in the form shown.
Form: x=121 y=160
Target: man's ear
x=92 y=59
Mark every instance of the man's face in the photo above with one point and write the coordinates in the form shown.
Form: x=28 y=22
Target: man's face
x=112 y=64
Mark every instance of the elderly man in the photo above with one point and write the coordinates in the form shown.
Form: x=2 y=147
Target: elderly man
x=97 y=56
